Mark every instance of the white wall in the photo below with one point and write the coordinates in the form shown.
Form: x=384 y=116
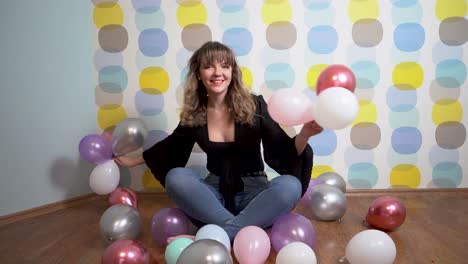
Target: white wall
x=46 y=101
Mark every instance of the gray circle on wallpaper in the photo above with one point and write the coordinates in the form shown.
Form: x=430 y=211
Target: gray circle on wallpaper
x=195 y=35
x=450 y=135
x=102 y=98
x=367 y=32
x=453 y=31
x=439 y=92
x=113 y=38
x=281 y=35
x=365 y=135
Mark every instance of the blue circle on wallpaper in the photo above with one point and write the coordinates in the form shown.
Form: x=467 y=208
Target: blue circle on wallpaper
x=367 y=74
x=149 y=104
x=322 y=39
x=153 y=42
x=438 y=155
x=401 y=100
x=363 y=175
x=146 y=6
x=153 y=137
x=316 y=4
x=326 y=16
x=238 y=39
x=404 y=3
x=230 y=6
x=409 y=37
x=447 y=175
x=406 y=140
x=237 y=19
x=324 y=143
x=451 y=73
x=113 y=79
x=278 y=76
x=183 y=74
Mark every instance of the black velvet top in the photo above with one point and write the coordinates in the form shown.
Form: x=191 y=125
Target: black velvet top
x=231 y=160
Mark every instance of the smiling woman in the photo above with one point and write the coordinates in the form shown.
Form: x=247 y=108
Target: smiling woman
x=229 y=124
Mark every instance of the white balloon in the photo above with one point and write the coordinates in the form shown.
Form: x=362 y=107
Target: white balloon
x=336 y=108
x=370 y=247
x=290 y=107
x=296 y=253
x=105 y=177
x=214 y=232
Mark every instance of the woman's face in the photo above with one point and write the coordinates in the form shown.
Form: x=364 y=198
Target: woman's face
x=216 y=77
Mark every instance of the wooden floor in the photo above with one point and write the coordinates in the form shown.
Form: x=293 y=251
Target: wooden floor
x=435 y=230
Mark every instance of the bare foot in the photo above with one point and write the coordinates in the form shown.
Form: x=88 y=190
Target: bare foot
x=170 y=239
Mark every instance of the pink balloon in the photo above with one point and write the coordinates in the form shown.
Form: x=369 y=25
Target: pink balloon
x=107 y=135
x=126 y=251
x=336 y=75
x=122 y=195
x=290 y=107
x=386 y=213
x=251 y=245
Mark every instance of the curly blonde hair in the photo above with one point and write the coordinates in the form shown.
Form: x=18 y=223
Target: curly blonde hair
x=239 y=100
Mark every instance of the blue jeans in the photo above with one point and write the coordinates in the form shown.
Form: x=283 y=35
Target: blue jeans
x=259 y=204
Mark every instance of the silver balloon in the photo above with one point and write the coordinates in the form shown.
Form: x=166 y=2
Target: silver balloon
x=128 y=135
x=326 y=202
x=333 y=179
x=120 y=221
x=205 y=251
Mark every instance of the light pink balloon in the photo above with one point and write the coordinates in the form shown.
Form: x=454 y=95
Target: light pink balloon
x=290 y=107
x=252 y=245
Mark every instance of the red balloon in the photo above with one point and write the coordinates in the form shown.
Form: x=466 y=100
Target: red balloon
x=386 y=213
x=126 y=251
x=336 y=75
x=122 y=195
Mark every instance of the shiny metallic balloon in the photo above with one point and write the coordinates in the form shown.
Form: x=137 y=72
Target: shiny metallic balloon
x=327 y=203
x=129 y=135
x=205 y=251
x=386 y=213
x=120 y=221
x=333 y=179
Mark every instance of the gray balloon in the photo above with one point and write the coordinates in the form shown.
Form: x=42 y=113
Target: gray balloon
x=333 y=179
x=128 y=135
x=205 y=251
x=120 y=221
x=326 y=202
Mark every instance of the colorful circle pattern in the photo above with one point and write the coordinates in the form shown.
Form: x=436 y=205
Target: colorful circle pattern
x=396 y=140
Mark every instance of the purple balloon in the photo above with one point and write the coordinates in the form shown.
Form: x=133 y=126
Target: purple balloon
x=292 y=228
x=168 y=222
x=95 y=149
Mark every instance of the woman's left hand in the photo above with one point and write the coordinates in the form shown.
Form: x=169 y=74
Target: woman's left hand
x=311 y=129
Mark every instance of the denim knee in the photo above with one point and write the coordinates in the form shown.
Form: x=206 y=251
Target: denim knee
x=291 y=188
x=176 y=178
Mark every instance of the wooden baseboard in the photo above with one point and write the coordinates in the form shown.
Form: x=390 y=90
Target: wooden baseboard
x=48 y=208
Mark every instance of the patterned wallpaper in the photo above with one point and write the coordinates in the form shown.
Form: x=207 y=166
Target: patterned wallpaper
x=409 y=58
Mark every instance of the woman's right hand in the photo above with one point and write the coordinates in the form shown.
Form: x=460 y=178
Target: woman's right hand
x=129 y=162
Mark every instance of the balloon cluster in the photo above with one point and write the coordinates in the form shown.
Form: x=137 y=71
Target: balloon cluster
x=326 y=201
x=120 y=224
x=335 y=108
x=128 y=136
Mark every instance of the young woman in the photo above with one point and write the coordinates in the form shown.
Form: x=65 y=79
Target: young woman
x=230 y=125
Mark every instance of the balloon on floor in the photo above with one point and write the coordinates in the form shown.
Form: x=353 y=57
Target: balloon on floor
x=386 y=213
x=126 y=251
x=120 y=221
x=370 y=247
